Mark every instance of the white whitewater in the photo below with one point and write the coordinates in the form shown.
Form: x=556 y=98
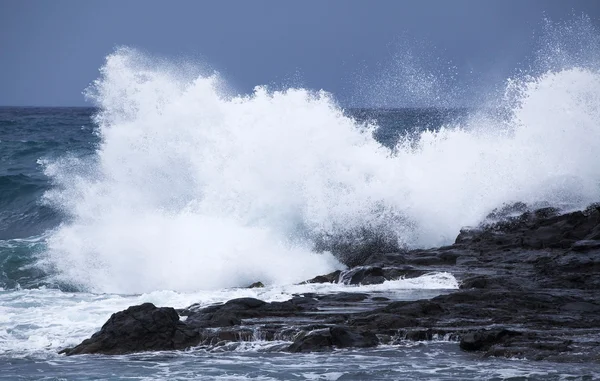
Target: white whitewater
x=193 y=189
x=40 y=322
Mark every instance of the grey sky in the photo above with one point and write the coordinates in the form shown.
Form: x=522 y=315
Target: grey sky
x=51 y=50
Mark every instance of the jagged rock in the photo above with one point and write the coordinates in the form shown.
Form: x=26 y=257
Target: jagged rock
x=314 y=341
x=484 y=339
x=344 y=297
x=354 y=248
x=581 y=307
x=536 y=275
x=304 y=301
x=338 y=336
x=328 y=278
x=507 y=211
x=490 y=282
x=402 y=272
x=139 y=328
x=231 y=312
x=382 y=322
x=586 y=245
x=419 y=308
x=363 y=275
x=343 y=337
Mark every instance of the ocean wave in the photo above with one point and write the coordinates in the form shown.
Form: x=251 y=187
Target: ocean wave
x=22 y=211
x=19 y=263
x=194 y=189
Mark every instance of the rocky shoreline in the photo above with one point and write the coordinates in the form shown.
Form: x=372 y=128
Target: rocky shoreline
x=529 y=288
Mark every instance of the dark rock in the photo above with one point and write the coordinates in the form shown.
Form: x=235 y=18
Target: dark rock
x=314 y=341
x=338 y=336
x=419 y=334
x=343 y=337
x=581 y=307
x=243 y=303
x=386 y=259
x=475 y=282
x=380 y=299
x=304 y=301
x=139 y=328
x=529 y=288
x=344 y=297
x=586 y=245
x=484 y=339
x=231 y=313
x=328 y=278
x=427 y=260
x=402 y=272
x=382 y=322
x=507 y=211
x=419 y=308
x=354 y=248
x=214 y=319
x=363 y=275
x=491 y=282
x=467 y=260
x=256 y=285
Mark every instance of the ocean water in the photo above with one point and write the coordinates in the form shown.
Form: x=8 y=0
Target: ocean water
x=171 y=190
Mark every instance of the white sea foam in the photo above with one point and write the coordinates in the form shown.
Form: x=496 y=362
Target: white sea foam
x=193 y=190
x=42 y=321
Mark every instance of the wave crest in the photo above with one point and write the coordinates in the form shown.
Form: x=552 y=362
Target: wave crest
x=194 y=189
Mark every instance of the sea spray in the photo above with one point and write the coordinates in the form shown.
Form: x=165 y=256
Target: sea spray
x=193 y=189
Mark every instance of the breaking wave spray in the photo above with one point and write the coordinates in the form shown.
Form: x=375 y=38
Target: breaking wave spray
x=193 y=189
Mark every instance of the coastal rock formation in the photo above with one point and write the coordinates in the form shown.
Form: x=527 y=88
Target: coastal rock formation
x=529 y=288
x=139 y=328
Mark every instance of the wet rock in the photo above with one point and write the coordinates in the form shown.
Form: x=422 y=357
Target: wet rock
x=214 y=319
x=484 y=339
x=419 y=308
x=586 y=245
x=326 y=339
x=343 y=337
x=507 y=211
x=232 y=312
x=137 y=329
x=419 y=334
x=380 y=299
x=491 y=282
x=385 y=259
x=328 y=278
x=304 y=301
x=475 y=282
x=242 y=304
x=314 y=341
x=256 y=285
x=363 y=275
x=528 y=288
x=366 y=275
x=581 y=307
x=402 y=272
x=354 y=248
x=344 y=297
x=382 y=322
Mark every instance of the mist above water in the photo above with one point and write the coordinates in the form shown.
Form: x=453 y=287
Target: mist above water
x=194 y=189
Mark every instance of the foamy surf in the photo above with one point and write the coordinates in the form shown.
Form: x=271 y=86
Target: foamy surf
x=40 y=322
x=194 y=189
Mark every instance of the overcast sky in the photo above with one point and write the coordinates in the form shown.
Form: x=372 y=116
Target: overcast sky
x=51 y=50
